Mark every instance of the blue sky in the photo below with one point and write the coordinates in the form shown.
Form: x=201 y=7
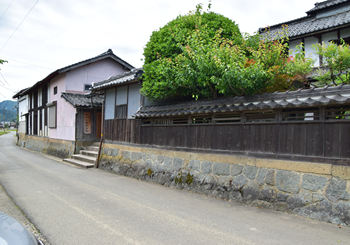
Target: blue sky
x=59 y=33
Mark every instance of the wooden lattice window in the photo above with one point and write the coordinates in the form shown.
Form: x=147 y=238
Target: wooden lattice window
x=338 y=113
x=146 y=121
x=161 y=121
x=201 y=119
x=227 y=118
x=180 y=120
x=308 y=114
x=261 y=116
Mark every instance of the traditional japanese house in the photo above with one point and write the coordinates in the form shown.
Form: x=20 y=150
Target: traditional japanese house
x=327 y=21
x=48 y=118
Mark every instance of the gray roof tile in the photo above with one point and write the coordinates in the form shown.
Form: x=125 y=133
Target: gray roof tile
x=311 y=24
x=301 y=98
x=83 y=100
x=123 y=78
x=325 y=4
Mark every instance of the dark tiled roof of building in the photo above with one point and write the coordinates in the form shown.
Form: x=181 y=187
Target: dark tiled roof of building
x=325 y=4
x=290 y=99
x=83 y=100
x=123 y=78
x=18 y=94
x=312 y=24
x=108 y=54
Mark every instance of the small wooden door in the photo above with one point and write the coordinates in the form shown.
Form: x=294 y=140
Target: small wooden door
x=98 y=125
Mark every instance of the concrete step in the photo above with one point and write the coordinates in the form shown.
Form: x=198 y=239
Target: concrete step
x=92 y=148
x=96 y=144
x=89 y=153
x=84 y=158
x=79 y=163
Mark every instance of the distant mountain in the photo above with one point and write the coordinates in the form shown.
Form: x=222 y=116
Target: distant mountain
x=10 y=110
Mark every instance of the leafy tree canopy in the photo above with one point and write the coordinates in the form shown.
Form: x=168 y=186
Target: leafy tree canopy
x=163 y=43
x=337 y=60
x=206 y=62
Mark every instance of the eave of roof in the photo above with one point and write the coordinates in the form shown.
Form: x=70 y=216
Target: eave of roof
x=290 y=99
x=83 y=100
x=325 y=4
x=126 y=77
x=309 y=24
x=18 y=94
x=108 y=54
x=306 y=25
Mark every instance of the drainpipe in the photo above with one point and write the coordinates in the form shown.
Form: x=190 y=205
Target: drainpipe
x=102 y=133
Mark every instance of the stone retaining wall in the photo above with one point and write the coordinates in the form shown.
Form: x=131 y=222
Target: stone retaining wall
x=54 y=147
x=314 y=190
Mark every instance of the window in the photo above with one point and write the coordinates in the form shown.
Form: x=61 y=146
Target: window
x=87 y=87
x=55 y=90
x=120 y=111
x=264 y=116
x=180 y=120
x=146 y=121
x=201 y=119
x=161 y=121
x=338 y=113
x=309 y=114
x=227 y=118
x=52 y=114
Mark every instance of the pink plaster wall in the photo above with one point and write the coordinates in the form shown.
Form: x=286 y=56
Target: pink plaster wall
x=73 y=81
x=65 y=112
x=94 y=72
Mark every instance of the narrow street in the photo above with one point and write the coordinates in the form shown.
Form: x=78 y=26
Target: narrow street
x=77 y=206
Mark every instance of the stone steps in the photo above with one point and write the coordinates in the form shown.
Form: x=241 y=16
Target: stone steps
x=78 y=163
x=89 y=153
x=85 y=158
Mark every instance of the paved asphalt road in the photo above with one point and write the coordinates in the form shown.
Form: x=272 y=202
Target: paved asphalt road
x=75 y=206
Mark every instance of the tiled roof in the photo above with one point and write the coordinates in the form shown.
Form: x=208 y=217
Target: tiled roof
x=108 y=54
x=325 y=4
x=125 y=77
x=312 y=24
x=18 y=94
x=292 y=99
x=83 y=100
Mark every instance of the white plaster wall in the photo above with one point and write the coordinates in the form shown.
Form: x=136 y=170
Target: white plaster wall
x=122 y=95
x=133 y=99
x=292 y=46
x=109 y=104
x=22 y=127
x=94 y=72
x=309 y=51
x=22 y=109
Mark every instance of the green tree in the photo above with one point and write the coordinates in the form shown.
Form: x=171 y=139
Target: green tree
x=163 y=43
x=209 y=66
x=337 y=60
